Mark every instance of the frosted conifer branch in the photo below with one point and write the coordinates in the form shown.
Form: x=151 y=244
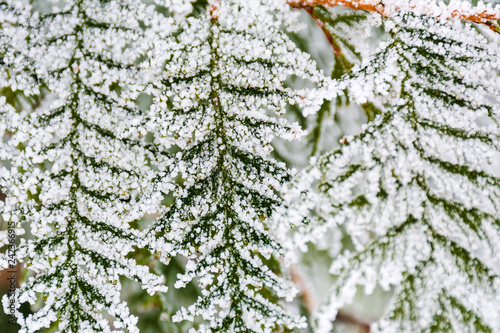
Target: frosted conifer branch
x=222 y=83
x=79 y=164
x=413 y=189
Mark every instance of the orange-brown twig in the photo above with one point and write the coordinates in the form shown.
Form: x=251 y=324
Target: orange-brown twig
x=329 y=37
x=348 y=319
x=482 y=15
x=336 y=48
x=310 y=304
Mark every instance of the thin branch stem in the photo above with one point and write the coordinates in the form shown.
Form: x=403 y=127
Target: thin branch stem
x=329 y=37
x=307 y=295
x=310 y=304
x=348 y=319
x=485 y=14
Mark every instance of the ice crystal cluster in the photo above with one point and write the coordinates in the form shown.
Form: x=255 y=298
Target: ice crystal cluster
x=77 y=165
x=414 y=189
x=139 y=131
x=223 y=82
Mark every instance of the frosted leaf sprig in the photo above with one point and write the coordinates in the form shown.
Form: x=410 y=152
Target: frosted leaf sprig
x=84 y=167
x=413 y=189
x=218 y=99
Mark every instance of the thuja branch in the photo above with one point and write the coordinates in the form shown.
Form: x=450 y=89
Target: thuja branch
x=484 y=14
x=231 y=185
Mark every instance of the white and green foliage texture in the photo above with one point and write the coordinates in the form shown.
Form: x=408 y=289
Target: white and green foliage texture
x=77 y=166
x=223 y=84
x=414 y=189
x=83 y=159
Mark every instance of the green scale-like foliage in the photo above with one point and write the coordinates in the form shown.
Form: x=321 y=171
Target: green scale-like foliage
x=415 y=189
x=223 y=87
x=77 y=164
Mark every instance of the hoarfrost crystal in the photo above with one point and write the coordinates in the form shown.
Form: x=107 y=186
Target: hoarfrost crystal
x=223 y=86
x=413 y=189
x=78 y=164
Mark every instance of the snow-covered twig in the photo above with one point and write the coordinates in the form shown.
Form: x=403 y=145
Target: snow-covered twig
x=482 y=13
